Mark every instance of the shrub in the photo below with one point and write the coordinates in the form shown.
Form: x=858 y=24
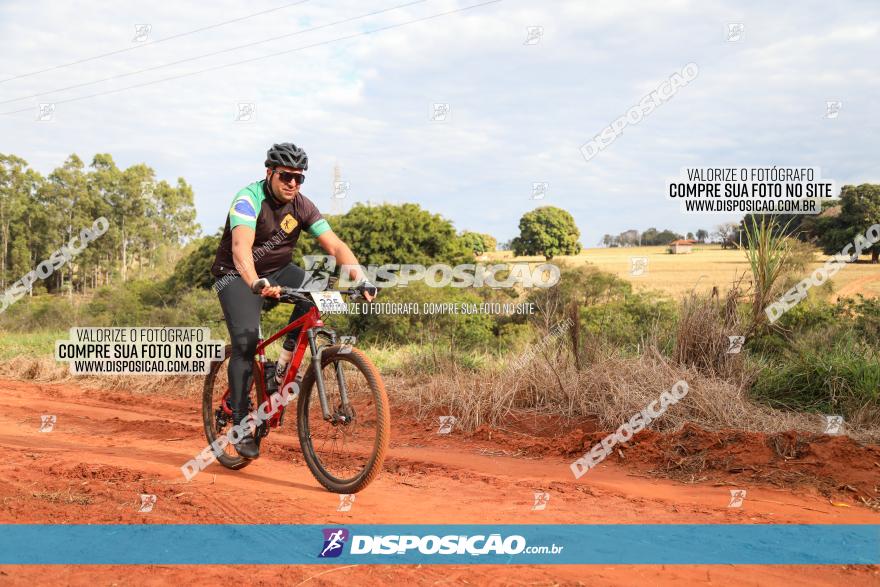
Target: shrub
x=39 y=312
x=610 y=313
x=828 y=374
x=865 y=316
x=118 y=305
x=466 y=330
x=629 y=321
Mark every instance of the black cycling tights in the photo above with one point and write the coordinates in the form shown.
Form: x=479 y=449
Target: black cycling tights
x=241 y=308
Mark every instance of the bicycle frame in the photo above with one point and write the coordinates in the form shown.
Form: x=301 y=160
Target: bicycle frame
x=311 y=325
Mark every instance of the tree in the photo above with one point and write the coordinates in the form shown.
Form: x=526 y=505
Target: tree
x=140 y=224
x=690 y=236
x=814 y=225
x=176 y=211
x=38 y=215
x=489 y=241
x=67 y=190
x=702 y=235
x=653 y=237
x=547 y=231
x=194 y=269
x=478 y=242
x=629 y=238
x=403 y=233
x=781 y=224
x=726 y=232
x=15 y=194
x=666 y=237
x=859 y=210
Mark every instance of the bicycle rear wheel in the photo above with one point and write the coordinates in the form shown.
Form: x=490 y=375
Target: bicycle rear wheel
x=346 y=453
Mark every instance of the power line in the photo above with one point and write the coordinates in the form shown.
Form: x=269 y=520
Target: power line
x=183 y=75
x=221 y=51
x=155 y=42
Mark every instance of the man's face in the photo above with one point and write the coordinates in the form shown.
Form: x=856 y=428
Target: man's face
x=285 y=191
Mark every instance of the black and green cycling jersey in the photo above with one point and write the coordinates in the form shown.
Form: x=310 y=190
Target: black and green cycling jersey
x=276 y=226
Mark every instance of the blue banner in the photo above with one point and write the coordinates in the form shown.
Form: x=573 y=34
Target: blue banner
x=440 y=544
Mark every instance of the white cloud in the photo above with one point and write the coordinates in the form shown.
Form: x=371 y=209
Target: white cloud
x=519 y=112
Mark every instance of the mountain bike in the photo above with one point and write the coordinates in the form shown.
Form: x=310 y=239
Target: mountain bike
x=342 y=414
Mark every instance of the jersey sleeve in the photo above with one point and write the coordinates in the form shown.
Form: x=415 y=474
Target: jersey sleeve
x=244 y=210
x=312 y=219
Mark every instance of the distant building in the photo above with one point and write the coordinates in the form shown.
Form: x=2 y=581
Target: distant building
x=681 y=246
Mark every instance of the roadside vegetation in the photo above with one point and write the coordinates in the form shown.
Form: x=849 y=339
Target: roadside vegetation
x=621 y=345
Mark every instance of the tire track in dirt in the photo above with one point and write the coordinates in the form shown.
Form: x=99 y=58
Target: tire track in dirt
x=101 y=454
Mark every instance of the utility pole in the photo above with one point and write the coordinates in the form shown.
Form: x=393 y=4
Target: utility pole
x=335 y=201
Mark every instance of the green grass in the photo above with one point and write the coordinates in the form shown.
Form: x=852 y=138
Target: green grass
x=398 y=359
x=418 y=358
x=13 y=344
x=840 y=377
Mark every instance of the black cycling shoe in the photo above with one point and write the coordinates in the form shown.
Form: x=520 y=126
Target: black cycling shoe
x=247 y=447
x=228 y=404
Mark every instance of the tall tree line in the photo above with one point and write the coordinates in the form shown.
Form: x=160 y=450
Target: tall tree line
x=40 y=214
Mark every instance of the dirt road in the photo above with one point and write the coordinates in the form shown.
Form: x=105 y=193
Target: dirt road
x=108 y=448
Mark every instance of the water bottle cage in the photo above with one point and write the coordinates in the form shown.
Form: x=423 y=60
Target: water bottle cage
x=271 y=384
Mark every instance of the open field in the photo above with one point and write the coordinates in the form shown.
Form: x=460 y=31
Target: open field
x=705 y=267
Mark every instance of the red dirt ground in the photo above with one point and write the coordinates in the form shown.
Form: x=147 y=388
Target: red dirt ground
x=108 y=447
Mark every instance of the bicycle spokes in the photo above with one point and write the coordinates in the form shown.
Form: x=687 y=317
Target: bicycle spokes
x=343 y=443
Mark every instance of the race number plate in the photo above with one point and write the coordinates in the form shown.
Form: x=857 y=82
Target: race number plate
x=329 y=302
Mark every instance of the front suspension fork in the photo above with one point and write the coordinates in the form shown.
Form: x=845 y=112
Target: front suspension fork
x=319 y=375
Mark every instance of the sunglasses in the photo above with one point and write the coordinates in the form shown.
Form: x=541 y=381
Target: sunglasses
x=289 y=176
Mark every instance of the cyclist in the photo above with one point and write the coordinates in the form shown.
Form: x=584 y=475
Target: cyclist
x=268 y=215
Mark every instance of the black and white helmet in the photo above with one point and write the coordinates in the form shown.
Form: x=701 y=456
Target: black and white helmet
x=287 y=155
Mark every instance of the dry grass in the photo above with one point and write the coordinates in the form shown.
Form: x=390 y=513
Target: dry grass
x=46 y=369
x=62 y=497
x=611 y=390
x=702 y=338
x=706 y=267
x=610 y=387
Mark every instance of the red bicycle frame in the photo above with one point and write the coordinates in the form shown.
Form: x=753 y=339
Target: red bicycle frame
x=311 y=319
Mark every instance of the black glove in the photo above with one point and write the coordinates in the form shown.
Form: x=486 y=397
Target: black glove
x=367 y=287
x=258 y=285
x=269 y=304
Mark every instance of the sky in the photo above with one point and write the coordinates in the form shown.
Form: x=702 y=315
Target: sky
x=526 y=84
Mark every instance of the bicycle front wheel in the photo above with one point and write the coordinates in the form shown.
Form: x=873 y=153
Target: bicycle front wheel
x=346 y=452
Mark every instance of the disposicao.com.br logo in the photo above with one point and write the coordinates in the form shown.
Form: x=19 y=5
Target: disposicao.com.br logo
x=334 y=540
x=453 y=544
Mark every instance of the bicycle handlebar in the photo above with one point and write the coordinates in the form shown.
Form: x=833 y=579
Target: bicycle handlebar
x=292 y=294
